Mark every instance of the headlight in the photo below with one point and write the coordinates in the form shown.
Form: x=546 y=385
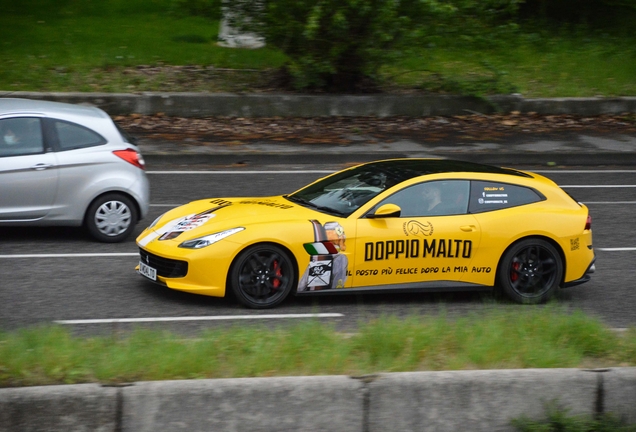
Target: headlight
x=155 y=221
x=207 y=240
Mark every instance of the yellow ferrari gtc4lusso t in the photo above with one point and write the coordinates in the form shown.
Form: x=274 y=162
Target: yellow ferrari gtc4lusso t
x=391 y=226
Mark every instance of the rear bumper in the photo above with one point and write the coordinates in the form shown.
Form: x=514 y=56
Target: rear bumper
x=586 y=276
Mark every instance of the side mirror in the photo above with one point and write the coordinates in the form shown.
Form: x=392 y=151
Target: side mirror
x=386 y=211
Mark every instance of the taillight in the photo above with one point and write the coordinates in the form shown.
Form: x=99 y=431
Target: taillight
x=588 y=223
x=131 y=156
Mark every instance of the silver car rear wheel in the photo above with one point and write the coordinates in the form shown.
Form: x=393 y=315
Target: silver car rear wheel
x=111 y=218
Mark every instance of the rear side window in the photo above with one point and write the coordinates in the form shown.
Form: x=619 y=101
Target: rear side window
x=488 y=196
x=21 y=136
x=125 y=136
x=73 y=136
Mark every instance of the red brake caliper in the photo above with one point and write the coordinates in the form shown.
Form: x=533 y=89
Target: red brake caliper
x=513 y=274
x=276 y=282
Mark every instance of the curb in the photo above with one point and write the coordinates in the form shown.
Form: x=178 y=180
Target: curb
x=282 y=105
x=481 y=400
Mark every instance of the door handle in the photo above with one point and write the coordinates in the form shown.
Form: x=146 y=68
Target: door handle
x=41 y=166
x=468 y=228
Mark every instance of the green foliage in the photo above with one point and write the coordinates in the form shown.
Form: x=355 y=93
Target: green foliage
x=590 y=12
x=491 y=81
x=204 y=8
x=70 y=8
x=559 y=419
x=471 y=48
x=137 y=49
x=341 y=44
x=496 y=338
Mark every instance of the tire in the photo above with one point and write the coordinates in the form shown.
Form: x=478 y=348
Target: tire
x=530 y=271
x=111 y=218
x=262 y=276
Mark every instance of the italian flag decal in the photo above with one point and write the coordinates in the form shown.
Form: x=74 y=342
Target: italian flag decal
x=320 y=248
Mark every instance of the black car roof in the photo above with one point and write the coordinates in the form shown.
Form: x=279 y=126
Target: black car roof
x=403 y=169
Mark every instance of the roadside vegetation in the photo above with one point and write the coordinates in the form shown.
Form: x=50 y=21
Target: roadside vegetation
x=527 y=337
x=559 y=419
x=471 y=47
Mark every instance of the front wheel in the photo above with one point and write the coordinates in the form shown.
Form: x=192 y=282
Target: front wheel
x=262 y=276
x=111 y=218
x=530 y=271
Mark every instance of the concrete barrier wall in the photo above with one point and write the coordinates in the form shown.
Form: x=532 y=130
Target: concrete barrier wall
x=619 y=393
x=83 y=407
x=280 y=105
x=414 y=401
x=326 y=403
x=475 y=400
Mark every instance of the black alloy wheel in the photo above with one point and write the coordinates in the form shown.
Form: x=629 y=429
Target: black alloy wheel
x=530 y=271
x=262 y=276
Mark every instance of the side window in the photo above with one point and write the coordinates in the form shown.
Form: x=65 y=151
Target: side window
x=487 y=196
x=125 y=136
x=434 y=198
x=21 y=136
x=72 y=136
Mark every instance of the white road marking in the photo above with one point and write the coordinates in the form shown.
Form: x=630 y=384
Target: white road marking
x=136 y=254
x=332 y=171
x=199 y=318
x=557 y=171
x=245 y=172
x=597 y=186
x=609 y=202
x=71 y=255
x=584 y=202
x=238 y=171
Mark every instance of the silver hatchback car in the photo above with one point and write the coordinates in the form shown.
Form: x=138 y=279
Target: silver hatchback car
x=65 y=164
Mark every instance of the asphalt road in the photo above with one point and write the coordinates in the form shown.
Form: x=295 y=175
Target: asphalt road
x=51 y=274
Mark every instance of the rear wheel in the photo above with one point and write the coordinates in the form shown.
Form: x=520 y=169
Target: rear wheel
x=530 y=271
x=262 y=276
x=111 y=218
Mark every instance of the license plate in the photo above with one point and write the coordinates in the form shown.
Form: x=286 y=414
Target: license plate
x=146 y=270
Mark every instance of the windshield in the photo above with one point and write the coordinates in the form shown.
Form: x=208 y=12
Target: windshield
x=344 y=192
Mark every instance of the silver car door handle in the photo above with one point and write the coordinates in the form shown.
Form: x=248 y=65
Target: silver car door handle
x=468 y=228
x=41 y=166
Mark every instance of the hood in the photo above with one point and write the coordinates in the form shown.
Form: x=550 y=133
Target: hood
x=204 y=217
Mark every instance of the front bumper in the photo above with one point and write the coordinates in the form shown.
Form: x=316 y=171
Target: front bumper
x=197 y=273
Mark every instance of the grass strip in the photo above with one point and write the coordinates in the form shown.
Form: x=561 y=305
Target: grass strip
x=559 y=419
x=531 y=337
x=136 y=45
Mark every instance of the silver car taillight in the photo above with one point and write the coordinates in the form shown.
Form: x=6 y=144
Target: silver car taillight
x=131 y=156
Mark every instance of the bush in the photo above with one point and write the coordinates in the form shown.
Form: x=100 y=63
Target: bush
x=592 y=12
x=205 y=8
x=340 y=45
